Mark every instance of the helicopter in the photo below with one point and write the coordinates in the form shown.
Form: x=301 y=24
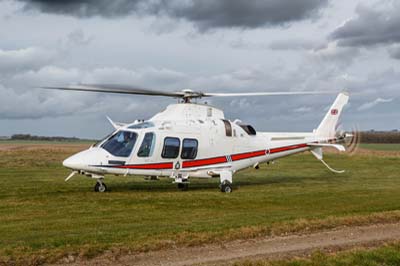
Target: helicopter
x=193 y=140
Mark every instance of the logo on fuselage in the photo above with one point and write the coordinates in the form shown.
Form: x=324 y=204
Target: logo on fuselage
x=334 y=111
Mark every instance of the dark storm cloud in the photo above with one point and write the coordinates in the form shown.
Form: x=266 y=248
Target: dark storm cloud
x=205 y=15
x=243 y=14
x=373 y=25
x=85 y=8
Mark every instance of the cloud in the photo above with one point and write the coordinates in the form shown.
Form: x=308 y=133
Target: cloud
x=209 y=14
x=342 y=56
x=21 y=98
x=394 y=51
x=282 y=45
x=303 y=109
x=85 y=8
x=78 y=38
x=205 y=15
x=294 y=45
x=369 y=105
x=373 y=25
x=13 y=61
x=34 y=104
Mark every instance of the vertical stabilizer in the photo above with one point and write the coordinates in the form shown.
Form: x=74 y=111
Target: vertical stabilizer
x=327 y=128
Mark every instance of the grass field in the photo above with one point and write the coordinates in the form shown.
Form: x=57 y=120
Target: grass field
x=43 y=218
x=388 y=255
x=381 y=147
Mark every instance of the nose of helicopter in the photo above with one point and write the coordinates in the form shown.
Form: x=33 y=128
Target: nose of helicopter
x=74 y=162
x=85 y=159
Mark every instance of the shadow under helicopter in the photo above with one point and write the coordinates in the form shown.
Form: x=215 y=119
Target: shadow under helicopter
x=165 y=185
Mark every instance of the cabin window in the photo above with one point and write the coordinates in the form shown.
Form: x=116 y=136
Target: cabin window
x=121 y=144
x=171 y=148
x=146 y=149
x=249 y=130
x=228 y=128
x=189 y=148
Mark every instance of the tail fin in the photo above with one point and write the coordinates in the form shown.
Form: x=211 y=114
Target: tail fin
x=327 y=128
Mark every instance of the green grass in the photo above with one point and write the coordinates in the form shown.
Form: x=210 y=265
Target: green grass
x=381 y=146
x=41 y=216
x=388 y=255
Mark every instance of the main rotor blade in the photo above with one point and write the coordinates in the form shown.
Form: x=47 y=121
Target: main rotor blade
x=274 y=93
x=113 y=88
x=185 y=94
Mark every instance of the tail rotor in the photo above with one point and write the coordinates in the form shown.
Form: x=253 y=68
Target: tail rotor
x=350 y=139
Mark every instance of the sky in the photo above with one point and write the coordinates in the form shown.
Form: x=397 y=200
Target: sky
x=207 y=45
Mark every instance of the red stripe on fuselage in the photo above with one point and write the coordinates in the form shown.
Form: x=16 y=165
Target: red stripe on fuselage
x=203 y=162
x=287 y=148
x=246 y=155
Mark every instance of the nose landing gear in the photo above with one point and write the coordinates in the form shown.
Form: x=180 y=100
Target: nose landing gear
x=100 y=186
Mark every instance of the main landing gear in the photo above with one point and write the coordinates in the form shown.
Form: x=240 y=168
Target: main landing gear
x=183 y=186
x=181 y=180
x=226 y=187
x=226 y=181
x=100 y=186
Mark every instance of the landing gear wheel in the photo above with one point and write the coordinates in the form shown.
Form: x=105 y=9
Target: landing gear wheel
x=226 y=188
x=100 y=187
x=183 y=186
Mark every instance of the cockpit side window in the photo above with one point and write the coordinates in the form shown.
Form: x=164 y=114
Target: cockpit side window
x=121 y=144
x=146 y=149
x=171 y=148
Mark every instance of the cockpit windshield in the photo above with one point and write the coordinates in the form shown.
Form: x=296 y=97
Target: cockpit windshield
x=121 y=144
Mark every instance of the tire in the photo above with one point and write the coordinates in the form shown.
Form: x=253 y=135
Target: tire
x=226 y=188
x=183 y=186
x=100 y=187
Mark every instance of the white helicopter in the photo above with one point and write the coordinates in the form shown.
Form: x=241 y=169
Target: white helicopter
x=191 y=140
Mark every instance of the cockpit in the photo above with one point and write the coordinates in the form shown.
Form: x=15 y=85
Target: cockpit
x=120 y=144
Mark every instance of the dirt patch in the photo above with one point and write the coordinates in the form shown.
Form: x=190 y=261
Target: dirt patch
x=261 y=248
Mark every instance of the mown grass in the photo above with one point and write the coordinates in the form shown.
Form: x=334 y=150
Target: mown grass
x=381 y=146
x=388 y=255
x=43 y=218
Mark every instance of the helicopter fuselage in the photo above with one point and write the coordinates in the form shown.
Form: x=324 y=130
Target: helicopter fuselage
x=190 y=140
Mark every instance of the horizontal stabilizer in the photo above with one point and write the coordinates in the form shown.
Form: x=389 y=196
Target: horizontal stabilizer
x=323 y=145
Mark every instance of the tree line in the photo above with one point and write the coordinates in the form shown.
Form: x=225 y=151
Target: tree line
x=43 y=138
x=380 y=137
